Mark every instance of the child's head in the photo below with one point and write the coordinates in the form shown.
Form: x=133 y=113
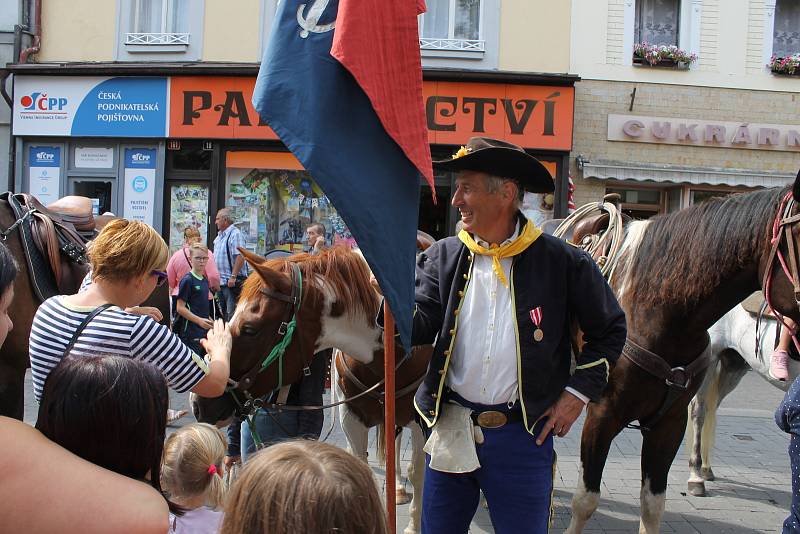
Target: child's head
x=198 y=257
x=192 y=464
x=304 y=486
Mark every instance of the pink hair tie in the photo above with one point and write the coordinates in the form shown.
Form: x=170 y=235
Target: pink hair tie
x=212 y=469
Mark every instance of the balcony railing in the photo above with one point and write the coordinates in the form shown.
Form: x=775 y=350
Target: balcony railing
x=463 y=45
x=156 y=39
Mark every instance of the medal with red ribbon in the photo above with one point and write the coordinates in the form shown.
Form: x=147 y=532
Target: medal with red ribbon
x=536 y=317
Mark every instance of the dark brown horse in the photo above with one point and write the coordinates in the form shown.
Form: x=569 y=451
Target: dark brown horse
x=678 y=274
x=14 y=353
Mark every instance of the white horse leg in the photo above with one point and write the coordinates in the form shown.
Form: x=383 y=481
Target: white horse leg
x=704 y=401
x=416 y=475
x=401 y=495
x=731 y=371
x=584 y=504
x=652 y=510
x=356 y=433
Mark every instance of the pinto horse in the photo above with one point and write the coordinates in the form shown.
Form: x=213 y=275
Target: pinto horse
x=677 y=275
x=14 y=353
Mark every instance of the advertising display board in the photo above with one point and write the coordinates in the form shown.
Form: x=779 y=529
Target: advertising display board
x=140 y=184
x=44 y=173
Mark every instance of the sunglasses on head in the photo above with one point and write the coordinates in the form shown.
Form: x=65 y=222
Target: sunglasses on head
x=162 y=277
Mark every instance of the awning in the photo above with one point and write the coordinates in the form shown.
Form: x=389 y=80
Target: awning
x=684 y=175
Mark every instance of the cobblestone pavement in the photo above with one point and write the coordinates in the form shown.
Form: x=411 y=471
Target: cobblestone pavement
x=751 y=494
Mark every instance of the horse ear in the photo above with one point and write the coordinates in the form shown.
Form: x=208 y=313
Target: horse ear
x=272 y=278
x=796 y=188
x=250 y=257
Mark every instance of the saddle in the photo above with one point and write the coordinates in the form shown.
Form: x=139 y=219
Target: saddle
x=54 y=240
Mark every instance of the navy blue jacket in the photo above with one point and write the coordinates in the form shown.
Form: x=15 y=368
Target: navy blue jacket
x=552 y=274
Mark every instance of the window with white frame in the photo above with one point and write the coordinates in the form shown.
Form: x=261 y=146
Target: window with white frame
x=657 y=22
x=452 y=25
x=158 y=22
x=786 y=32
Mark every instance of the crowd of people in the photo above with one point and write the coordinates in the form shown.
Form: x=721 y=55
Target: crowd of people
x=102 y=365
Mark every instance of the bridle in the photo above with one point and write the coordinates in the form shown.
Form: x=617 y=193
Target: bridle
x=782 y=227
x=280 y=342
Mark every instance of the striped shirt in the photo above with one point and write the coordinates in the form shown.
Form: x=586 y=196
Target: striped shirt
x=113 y=331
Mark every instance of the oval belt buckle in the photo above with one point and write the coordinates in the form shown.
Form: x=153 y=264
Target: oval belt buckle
x=492 y=419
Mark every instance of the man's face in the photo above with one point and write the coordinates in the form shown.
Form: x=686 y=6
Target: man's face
x=221 y=221
x=312 y=234
x=479 y=208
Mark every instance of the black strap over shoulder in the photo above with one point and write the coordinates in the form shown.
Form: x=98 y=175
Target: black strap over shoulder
x=95 y=312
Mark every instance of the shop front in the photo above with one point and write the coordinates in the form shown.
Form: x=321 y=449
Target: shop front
x=660 y=158
x=172 y=150
x=99 y=137
x=274 y=199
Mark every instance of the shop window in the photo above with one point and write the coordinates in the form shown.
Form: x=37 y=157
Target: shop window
x=451 y=25
x=639 y=203
x=273 y=201
x=657 y=22
x=699 y=196
x=189 y=157
x=786 y=32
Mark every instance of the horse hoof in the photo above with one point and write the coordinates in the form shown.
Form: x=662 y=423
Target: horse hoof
x=707 y=473
x=697 y=489
x=402 y=496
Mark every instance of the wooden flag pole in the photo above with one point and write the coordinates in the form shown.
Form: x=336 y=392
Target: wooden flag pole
x=389 y=422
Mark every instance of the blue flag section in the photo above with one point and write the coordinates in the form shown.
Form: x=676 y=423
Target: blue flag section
x=319 y=111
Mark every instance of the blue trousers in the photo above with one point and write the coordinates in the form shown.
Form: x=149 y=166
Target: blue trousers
x=272 y=427
x=516 y=476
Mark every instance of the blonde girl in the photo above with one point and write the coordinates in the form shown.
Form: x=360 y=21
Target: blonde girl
x=191 y=475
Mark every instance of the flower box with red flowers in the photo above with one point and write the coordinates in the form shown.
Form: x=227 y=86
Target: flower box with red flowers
x=665 y=56
x=785 y=66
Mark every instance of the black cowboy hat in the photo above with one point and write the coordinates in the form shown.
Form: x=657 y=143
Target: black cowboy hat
x=502 y=159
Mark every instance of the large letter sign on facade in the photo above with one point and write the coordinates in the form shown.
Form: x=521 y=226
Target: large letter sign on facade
x=140 y=184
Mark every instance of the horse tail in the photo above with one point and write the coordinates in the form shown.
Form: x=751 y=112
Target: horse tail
x=710 y=421
x=380 y=444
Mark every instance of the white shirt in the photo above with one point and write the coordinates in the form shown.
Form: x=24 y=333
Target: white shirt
x=483 y=364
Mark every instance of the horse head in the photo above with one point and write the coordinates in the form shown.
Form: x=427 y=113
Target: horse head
x=780 y=266
x=290 y=309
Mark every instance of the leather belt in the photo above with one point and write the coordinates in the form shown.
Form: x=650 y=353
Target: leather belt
x=495 y=419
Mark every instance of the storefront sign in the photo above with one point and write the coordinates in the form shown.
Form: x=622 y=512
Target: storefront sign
x=90 y=106
x=140 y=182
x=44 y=165
x=530 y=116
x=671 y=131
x=95 y=157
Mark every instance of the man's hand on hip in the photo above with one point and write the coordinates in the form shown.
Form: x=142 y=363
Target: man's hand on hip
x=560 y=416
x=231 y=281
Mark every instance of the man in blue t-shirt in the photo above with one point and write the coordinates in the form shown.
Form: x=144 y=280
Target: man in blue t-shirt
x=194 y=307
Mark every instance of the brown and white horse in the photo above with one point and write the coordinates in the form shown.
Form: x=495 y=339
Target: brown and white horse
x=678 y=274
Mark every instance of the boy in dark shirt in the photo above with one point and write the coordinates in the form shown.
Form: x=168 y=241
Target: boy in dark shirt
x=194 y=306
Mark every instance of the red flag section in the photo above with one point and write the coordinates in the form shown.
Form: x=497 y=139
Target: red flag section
x=377 y=41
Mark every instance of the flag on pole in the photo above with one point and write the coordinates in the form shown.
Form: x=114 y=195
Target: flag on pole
x=341 y=85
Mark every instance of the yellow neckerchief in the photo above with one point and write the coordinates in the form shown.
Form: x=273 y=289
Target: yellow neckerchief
x=528 y=235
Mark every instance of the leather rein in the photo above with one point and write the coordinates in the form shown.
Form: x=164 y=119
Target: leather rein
x=782 y=227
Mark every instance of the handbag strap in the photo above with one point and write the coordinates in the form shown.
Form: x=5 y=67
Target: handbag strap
x=185 y=255
x=95 y=312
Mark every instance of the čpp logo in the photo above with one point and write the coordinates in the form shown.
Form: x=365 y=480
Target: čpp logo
x=45 y=157
x=41 y=102
x=138 y=157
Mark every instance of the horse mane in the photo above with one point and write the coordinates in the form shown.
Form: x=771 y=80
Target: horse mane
x=683 y=256
x=338 y=269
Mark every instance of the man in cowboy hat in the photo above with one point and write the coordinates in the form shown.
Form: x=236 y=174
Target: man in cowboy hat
x=498 y=299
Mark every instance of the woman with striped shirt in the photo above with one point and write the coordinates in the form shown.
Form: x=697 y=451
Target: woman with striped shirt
x=128 y=260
